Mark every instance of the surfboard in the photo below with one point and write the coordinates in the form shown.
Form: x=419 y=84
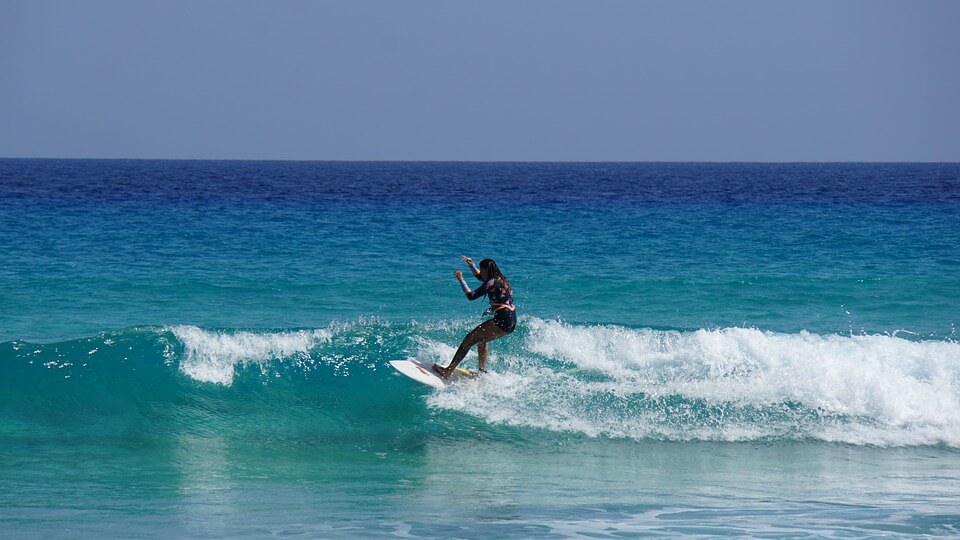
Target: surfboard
x=422 y=372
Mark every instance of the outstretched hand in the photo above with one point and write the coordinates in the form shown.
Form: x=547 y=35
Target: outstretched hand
x=458 y=273
x=466 y=259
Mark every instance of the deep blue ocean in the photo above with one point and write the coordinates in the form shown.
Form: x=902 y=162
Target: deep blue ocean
x=201 y=348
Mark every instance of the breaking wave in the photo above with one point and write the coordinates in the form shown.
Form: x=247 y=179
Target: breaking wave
x=549 y=379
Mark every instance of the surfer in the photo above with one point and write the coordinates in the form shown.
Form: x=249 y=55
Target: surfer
x=497 y=289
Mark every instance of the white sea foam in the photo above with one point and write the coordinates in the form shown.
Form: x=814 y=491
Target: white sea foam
x=724 y=384
x=211 y=356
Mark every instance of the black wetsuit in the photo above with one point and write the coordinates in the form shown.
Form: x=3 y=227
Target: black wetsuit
x=501 y=296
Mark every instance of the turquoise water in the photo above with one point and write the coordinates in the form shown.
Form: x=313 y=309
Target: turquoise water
x=201 y=348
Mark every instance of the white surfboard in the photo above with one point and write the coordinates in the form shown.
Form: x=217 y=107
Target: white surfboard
x=422 y=372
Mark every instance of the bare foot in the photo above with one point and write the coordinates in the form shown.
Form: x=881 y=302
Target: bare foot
x=443 y=372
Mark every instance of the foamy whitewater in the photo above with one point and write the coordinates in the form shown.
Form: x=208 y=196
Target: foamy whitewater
x=731 y=384
x=213 y=356
x=201 y=349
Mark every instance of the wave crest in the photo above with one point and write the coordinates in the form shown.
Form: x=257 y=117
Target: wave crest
x=729 y=384
x=211 y=356
x=726 y=384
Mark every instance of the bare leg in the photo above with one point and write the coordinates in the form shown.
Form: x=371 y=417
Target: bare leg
x=487 y=331
x=482 y=354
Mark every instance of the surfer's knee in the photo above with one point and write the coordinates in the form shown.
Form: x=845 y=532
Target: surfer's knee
x=475 y=336
x=477 y=340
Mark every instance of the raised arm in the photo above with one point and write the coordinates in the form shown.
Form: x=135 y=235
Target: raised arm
x=471 y=295
x=474 y=269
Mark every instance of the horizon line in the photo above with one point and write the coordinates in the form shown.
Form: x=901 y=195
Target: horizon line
x=467 y=160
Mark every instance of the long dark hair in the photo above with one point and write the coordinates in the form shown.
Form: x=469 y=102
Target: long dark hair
x=493 y=271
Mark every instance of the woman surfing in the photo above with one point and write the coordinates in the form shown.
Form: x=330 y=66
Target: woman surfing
x=497 y=289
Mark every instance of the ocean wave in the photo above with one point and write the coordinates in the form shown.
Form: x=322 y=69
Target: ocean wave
x=730 y=384
x=551 y=377
x=212 y=356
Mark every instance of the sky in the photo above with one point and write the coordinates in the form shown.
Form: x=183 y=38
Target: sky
x=557 y=80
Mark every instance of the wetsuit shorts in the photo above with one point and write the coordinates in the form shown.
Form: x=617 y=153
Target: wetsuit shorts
x=506 y=319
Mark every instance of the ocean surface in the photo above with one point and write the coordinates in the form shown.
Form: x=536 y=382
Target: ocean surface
x=200 y=348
